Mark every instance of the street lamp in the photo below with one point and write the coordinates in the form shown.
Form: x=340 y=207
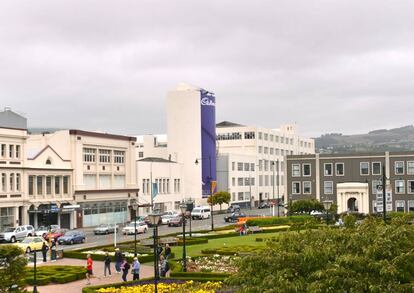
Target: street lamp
x=154 y=219
x=34 y=271
x=183 y=208
x=211 y=192
x=327 y=205
x=135 y=208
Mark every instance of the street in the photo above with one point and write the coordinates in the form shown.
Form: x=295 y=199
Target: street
x=97 y=240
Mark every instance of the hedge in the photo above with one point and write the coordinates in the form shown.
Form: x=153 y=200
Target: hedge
x=274 y=221
x=232 y=250
x=192 y=241
x=78 y=254
x=55 y=275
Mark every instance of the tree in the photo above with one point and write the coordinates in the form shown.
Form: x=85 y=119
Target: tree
x=222 y=197
x=305 y=206
x=372 y=257
x=12 y=268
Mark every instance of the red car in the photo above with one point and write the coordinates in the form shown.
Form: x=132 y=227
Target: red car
x=55 y=234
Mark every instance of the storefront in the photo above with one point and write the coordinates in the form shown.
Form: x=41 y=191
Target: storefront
x=108 y=212
x=7 y=217
x=50 y=214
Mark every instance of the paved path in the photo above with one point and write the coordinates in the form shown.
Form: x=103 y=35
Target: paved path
x=98 y=269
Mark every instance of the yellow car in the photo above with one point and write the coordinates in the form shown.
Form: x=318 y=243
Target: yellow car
x=30 y=244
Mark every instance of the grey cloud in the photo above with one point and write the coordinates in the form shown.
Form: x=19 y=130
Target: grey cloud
x=338 y=66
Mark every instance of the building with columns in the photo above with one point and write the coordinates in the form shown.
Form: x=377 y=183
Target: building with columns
x=353 y=181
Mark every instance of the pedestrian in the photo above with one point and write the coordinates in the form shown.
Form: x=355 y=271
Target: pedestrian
x=118 y=260
x=44 y=251
x=125 y=268
x=89 y=269
x=53 y=248
x=164 y=266
x=107 y=263
x=167 y=251
x=135 y=269
x=241 y=230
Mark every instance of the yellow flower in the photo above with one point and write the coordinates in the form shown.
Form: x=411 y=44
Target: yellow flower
x=189 y=286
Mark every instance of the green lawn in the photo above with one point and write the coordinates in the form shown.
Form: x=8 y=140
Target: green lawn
x=194 y=250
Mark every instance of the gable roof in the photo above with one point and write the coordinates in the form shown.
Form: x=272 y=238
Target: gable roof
x=43 y=150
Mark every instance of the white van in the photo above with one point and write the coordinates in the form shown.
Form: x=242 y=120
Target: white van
x=19 y=233
x=200 y=213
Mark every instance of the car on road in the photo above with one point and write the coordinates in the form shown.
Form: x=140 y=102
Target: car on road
x=105 y=229
x=167 y=216
x=148 y=222
x=264 y=205
x=14 y=234
x=176 y=222
x=233 y=208
x=72 y=237
x=30 y=244
x=234 y=217
x=55 y=234
x=200 y=213
x=43 y=230
x=130 y=228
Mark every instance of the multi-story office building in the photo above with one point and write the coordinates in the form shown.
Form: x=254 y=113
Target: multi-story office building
x=353 y=181
x=103 y=174
x=251 y=160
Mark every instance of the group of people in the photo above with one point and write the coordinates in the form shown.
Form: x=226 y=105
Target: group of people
x=123 y=267
x=53 y=248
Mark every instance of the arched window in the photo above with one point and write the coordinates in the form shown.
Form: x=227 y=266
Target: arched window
x=48 y=161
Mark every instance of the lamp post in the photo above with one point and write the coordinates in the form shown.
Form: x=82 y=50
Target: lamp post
x=183 y=208
x=278 y=184
x=34 y=271
x=273 y=185
x=154 y=219
x=135 y=208
x=327 y=205
x=211 y=191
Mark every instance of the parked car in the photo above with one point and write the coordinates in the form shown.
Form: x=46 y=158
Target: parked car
x=18 y=233
x=55 y=234
x=167 y=216
x=200 y=213
x=233 y=208
x=176 y=222
x=72 y=237
x=30 y=244
x=130 y=228
x=105 y=229
x=43 y=230
x=234 y=217
x=264 y=205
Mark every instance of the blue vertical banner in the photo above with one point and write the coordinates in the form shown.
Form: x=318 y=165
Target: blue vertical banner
x=208 y=142
x=154 y=190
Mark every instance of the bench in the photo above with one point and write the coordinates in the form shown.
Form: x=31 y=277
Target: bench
x=255 y=229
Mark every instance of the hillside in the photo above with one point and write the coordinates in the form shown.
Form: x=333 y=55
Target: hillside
x=397 y=139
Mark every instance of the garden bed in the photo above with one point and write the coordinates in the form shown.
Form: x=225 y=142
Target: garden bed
x=55 y=275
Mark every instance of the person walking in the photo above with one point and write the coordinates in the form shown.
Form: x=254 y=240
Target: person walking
x=107 y=263
x=89 y=269
x=44 y=251
x=53 y=248
x=164 y=266
x=125 y=268
x=135 y=269
x=167 y=251
x=118 y=260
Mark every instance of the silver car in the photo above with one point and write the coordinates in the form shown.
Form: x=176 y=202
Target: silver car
x=105 y=229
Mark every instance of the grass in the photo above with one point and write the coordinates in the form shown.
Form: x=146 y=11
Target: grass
x=250 y=240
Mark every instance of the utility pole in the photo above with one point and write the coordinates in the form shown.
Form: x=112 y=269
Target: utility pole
x=384 y=193
x=211 y=195
x=278 y=183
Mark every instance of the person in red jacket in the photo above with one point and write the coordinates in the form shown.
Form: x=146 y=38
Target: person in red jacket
x=89 y=269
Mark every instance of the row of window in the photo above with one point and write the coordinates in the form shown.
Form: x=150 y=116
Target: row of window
x=48 y=185
x=263 y=164
x=274 y=151
x=11 y=151
x=90 y=181
x=163 y=186
x=105 y=156
x=10 y=182
x=241 y=196
x=243 y=181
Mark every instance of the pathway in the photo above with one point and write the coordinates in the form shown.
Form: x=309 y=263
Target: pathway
x=98 y=269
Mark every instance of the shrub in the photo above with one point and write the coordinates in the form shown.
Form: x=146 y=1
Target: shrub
x=12 y=267
x=55 y=274
x=350 y=221
x=192 y=241
x=275 y=221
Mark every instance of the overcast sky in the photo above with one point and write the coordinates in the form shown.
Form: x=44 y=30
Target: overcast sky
x=331 y=66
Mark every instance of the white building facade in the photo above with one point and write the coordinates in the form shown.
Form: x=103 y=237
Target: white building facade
x=251 y=160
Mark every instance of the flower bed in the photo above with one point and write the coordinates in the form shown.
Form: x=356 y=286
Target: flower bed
x=103 y=252
x=163 y=287
x=233 y=250
x=213 y=263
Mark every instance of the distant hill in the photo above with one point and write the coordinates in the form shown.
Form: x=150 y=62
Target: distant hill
x=40 y=130
x=381 y=140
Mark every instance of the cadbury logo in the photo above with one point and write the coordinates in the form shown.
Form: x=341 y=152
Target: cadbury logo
x=207 y=102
